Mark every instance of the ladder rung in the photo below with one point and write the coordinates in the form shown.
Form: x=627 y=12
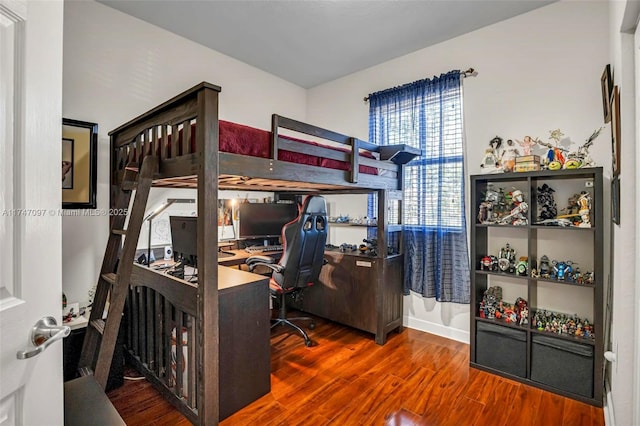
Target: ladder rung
x=119 y=231
x=98 y=325
x=110 y=278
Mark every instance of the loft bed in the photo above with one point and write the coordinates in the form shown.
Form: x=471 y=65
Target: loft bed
x=194 y=149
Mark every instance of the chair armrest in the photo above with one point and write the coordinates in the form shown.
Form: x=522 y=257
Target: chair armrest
x=267 y=261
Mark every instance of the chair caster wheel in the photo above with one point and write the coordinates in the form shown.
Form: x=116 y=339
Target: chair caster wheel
x=312 y=326
x=308 y=343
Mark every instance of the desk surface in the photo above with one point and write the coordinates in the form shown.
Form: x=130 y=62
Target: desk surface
x=240 y=257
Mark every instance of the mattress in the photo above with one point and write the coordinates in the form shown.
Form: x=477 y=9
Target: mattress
x=245 y=140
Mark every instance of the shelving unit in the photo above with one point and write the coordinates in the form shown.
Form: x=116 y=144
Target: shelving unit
x=562 y=363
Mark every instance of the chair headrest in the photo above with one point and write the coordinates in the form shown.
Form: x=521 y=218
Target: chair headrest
x=314 y=204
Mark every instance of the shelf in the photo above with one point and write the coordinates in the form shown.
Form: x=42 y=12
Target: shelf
x=502 y=323
x=501 y=274
x=585 y=340
x=362 y=225
x=549 y=280
x=564 y=228
x=498 y=225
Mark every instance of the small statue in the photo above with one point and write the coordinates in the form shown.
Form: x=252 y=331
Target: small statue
x=518 y=214
x=491 y=160
x=506 y=259
x=527 y=144
x=584 y=203
x=546 y=202
x=508 y=157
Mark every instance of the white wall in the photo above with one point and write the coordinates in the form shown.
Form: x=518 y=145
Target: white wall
x=624 y=398
x=117 y=67
x=537 y=72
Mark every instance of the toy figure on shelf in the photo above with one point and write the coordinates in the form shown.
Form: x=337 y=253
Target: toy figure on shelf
x=491 y=160
x=546 y=203
x=508 y=157
x=584 y=203
x=506 y=259
x=544 y=269
x=527 y=144
x=518 y=214
x=486 y=210
x=554 y=159
x=581 y=157
x=561 y=269
x=522 y=311
x=489 y=263
x=522 y=266
x=491 y=301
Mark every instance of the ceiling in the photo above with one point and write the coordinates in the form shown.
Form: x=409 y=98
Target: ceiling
x=310 y=42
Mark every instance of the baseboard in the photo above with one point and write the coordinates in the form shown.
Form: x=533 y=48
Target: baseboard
x=437 y=329
x=609 y=419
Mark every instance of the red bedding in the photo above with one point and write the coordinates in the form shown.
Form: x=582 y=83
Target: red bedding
x=244 y=140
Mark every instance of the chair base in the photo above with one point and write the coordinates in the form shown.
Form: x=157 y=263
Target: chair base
x=283 y=320
x=287 y=322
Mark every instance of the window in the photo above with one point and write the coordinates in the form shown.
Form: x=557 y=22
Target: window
x=427 y=115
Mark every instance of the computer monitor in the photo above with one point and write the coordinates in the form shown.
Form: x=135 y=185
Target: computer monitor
x=265 y=220
x=184 y=239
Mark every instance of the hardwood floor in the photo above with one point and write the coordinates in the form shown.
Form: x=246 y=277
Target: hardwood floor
x=346 y=379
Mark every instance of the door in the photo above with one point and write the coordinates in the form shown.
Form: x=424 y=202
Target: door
x=30 y=196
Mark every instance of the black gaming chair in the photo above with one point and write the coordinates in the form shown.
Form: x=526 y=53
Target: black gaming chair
x=303 y=242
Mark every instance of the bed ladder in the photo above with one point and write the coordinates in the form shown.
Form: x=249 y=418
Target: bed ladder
x=115 y=275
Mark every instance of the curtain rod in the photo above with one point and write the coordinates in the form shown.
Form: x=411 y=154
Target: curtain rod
x=471 y=72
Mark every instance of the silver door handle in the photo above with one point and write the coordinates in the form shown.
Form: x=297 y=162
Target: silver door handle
x=43 y=334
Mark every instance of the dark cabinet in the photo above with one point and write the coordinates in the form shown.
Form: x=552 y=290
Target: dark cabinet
x=359 y=291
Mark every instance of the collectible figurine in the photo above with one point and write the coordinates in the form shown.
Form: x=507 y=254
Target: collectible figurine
x=489 y=263
x=506 y=259
x=487 y=208
x=544 y=270
x=527 y=144
x=581 y=157
x=561 y=269
x=554 y=159
x=546 y=203
x=508 y=157
x=522 y=266
x=518 y=214
x=491 y=160
x=584 y=201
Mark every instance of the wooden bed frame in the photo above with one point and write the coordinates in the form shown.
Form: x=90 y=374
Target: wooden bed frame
x=167 y=302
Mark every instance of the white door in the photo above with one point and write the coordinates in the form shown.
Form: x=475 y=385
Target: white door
x=30 y=196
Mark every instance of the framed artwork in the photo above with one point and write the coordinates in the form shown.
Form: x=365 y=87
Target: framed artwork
x=615 y=132
x=606 y=83
x=615 y=200
x=79 y=164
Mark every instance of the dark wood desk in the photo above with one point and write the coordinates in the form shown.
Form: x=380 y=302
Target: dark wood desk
x=244 y=324
x=241 y=256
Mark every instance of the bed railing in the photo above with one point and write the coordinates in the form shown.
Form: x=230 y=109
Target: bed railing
x=158 y=306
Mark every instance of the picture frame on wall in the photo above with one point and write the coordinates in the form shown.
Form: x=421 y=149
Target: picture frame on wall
x=79 y=164
x=606 y=83
x=615 y=200
x=615 y=132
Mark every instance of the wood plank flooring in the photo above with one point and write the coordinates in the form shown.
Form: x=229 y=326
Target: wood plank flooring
x=346 y=379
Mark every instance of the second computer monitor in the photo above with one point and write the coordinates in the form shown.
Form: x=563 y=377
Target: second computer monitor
x=184 y=238
x=265 y=220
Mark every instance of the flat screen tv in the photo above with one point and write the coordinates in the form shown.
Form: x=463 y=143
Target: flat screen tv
x=265 y=220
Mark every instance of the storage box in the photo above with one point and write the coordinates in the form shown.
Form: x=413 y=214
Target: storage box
x=501 y=348
x=563 y=364
x=526 y=167
x=528 y=159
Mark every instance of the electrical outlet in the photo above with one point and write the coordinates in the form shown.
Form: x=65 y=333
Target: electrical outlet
x=588 y=184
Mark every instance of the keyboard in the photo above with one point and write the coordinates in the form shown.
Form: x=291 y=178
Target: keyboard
x=262 y=249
